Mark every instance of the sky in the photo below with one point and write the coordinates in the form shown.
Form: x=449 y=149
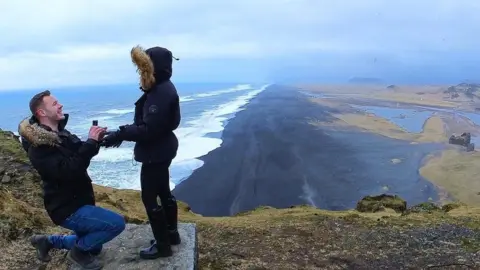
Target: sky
x=56 y=43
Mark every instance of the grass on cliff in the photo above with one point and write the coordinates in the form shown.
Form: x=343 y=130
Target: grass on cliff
x=18 y=217
x=302 y=236
x=11 y=148
x=309 y=238
x=264 y=238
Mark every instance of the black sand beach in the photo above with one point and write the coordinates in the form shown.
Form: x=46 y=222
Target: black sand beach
x=272 y=156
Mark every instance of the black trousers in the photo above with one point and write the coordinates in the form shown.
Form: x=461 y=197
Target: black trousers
x=155 y=183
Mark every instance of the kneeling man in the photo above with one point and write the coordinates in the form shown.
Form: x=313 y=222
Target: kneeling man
x=62 y=159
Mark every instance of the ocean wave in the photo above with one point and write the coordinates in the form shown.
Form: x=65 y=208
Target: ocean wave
x=240 y=87
x=119 y=111
x=193 y=141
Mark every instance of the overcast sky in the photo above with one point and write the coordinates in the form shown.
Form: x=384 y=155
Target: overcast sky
x=58 y=42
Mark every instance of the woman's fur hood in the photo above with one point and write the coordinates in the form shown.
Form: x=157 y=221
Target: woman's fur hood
x=154 y=65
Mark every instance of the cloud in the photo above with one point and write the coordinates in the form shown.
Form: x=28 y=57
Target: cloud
x=60 y=42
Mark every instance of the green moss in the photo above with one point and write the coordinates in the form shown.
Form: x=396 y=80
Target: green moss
x=301 y=206
x=450 y=206
x=426 y=207
x=471 y=245
x=11 y=147
x=18 y=217
x=470 y=222
x=380 y=202
x=259 y=208
x=351 y=217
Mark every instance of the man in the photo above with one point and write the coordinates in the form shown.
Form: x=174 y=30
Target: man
x=62 y=159
x=157 y=115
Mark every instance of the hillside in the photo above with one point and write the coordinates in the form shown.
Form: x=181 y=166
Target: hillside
x=468 y=89
x=299 y=237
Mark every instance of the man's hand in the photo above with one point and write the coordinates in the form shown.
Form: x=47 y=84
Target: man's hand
x=112 y=139
x=96 y=133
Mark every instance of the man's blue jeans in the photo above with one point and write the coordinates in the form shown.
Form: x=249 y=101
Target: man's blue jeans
x=93 y=226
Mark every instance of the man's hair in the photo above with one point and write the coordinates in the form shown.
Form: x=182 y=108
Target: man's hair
x=37 y=100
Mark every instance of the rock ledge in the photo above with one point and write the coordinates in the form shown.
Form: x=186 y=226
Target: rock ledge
x=122 y=252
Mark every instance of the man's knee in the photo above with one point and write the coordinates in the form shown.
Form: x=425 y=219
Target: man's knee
x=115 y=220
x=118 y=224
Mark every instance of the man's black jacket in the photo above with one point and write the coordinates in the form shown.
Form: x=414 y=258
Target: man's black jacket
x=157 y=112
x=61 y=159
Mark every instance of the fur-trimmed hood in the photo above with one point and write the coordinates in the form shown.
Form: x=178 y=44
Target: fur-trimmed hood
x=35 y=134
x=154 y=65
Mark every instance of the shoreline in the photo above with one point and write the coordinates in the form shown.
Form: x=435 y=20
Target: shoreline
x=270 y=146
x=444 y=196
x=245 y=98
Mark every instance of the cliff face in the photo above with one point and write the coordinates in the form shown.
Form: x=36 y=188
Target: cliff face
x=386 y=234
x=20 y=191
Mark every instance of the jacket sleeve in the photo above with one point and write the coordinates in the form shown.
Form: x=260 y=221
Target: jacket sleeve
x=156 y=119
x=50 y=160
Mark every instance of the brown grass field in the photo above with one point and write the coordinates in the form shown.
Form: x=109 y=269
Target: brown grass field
x=420 y=95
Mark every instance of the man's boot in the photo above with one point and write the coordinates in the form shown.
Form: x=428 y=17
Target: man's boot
x=42 y=247
x=96 y=251
x=161 y=246
x=83 y=259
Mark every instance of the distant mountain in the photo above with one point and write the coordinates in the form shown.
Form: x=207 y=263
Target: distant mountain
x=468 y=89
x=363 y=80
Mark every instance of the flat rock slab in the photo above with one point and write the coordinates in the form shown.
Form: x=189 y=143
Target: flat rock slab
x=123 y=251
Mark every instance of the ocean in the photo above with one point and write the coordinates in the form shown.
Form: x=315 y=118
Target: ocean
x=206 y=109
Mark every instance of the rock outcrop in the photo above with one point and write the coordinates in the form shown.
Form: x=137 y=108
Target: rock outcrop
x=122 y=252
x=379 y=203
x=470 y=90
x=463 y=140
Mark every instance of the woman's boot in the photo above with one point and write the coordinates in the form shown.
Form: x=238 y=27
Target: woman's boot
x=171 y=212
x=161 y=247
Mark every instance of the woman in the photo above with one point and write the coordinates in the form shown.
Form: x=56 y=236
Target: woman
x=157 y=115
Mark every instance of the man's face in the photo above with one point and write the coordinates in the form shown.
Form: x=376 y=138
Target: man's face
x=51 y=109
